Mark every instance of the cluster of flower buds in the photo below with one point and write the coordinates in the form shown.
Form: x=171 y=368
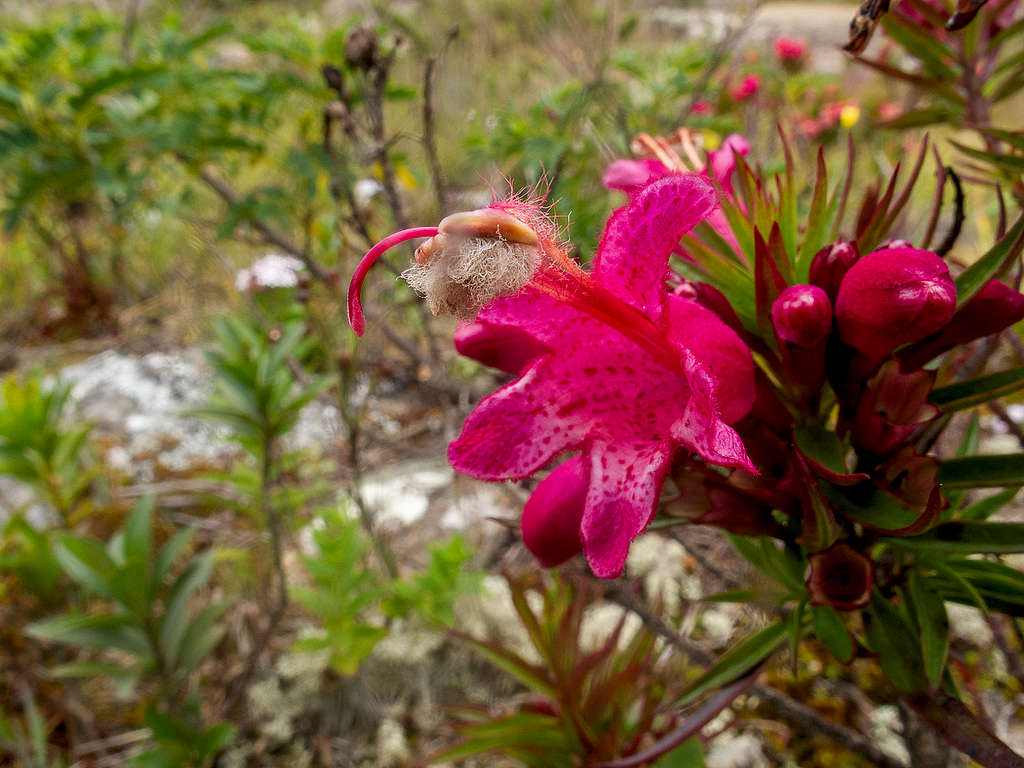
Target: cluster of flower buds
x=865 y=326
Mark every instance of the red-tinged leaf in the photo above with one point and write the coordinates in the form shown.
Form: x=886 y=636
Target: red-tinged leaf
x=838 y=207
x=992 y=264
x=532 y=676
x=904 y=196
x=738 y=662
x=955 y=723
x=933 y=86
x=780 y=256
x=881 y=511
x=705 y=714
x=814 y=236
x=824 y=454
x=819 y=529
x=872 y=232
x=768 y=284
x=937 y=58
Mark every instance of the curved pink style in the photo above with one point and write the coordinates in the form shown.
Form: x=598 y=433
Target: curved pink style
x=355 y=287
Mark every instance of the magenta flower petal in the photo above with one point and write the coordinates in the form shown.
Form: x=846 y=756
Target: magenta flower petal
x=631 y=176
x=702 y=430
x=720 y=349
x=503 y=347
x=553 y=513
x=639 y=238
x=723 y=160
x=894 y=297
x=513 y=432
x=625 y=483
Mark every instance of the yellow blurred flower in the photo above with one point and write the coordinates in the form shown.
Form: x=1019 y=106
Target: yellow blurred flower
x=849 y=115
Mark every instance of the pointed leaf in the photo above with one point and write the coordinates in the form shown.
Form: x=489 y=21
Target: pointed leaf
x=999 y=256
x=830 y=630
x=930 y=612
x=983 y=471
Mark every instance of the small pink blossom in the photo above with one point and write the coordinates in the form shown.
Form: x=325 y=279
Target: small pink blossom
x=701 y=107
x=747 y=88
x=790 y=50
x=889 y=110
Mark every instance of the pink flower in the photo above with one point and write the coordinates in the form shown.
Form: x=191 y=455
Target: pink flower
x=622 y=383
x=790 y=50
x=748 y=87
x=619 y=377
x=889 y=110
x=893 y=297
x=701 y=107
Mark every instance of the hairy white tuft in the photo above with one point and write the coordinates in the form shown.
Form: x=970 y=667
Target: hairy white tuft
x=468 y=273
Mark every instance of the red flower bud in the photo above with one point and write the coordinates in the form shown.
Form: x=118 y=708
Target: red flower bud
x=497 y=346
x=840 y=576
x=830 y=265
x=893 y=297
x=990 y=310
x=553 y=513
x=802 y=315
x=747 y=87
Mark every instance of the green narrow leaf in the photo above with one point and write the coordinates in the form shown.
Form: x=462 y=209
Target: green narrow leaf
x=138 y=531
x=967 y=537
x=983 y=471
x=817 y=224
x=893 y=641
x=734 y=663
x=86 y=561
x=173 y=623
x=999 y=256
x=985 y=508
x=984 y=389
x=930 y=612
x=829 y=628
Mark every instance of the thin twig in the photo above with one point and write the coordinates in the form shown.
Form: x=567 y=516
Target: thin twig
x=429 y=132
x=269 y=233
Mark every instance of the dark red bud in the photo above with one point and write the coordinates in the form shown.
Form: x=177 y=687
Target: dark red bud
x=802 y=315
x=991 y=310
x=498 y=346
x=553 y=513
x=840 y=576
x=830 y=265
x=893 y=297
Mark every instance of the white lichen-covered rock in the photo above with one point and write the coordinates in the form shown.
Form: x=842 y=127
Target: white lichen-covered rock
x=737 y=750
x=139 y=404
x=661 y=563
x=392 y=745
x=887 y=732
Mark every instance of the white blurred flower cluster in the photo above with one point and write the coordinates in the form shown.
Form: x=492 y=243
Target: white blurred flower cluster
x=272 y=271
